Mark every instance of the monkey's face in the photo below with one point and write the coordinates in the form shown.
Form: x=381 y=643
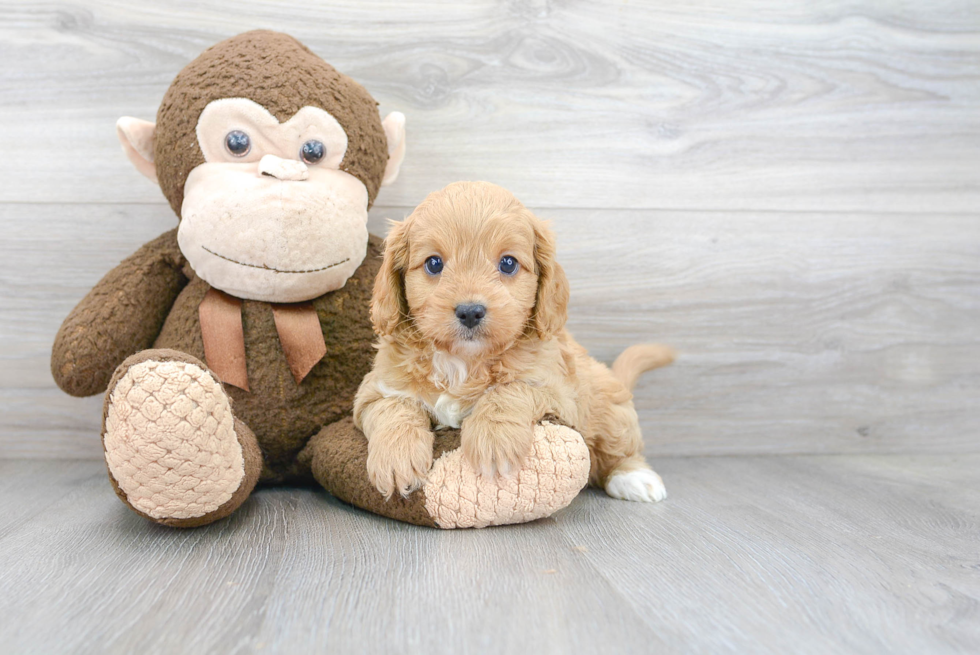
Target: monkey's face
x=271 y=157
x=269 y=216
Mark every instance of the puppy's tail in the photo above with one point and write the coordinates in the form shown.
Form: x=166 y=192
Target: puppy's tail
x=638 y=359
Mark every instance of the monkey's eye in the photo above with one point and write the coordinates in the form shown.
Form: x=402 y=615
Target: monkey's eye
x=312 y=151
x=238 y=143
x=508 y=265
x=433 y=265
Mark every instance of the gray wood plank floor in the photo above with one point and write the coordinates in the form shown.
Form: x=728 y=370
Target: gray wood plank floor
x=787 y=193
x=801 y=554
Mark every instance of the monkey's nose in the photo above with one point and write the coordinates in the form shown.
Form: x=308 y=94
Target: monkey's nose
x=283 y=169
x=470 y=315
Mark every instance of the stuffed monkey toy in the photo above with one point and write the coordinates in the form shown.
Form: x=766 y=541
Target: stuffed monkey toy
x=230 y=348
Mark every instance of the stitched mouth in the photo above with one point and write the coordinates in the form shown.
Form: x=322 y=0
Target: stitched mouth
x=274 y=270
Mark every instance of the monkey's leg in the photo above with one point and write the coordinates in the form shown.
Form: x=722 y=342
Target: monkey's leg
x=176 y=453
x=455 y=495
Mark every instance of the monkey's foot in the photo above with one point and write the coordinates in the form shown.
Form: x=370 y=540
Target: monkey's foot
x=454 y=494
x=176 y=453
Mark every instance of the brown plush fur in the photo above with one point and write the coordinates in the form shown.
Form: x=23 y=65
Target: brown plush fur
x=518 y=365
x=98 y=335
x=121 y=315
x=282 y=75
x=339 y=464
x=148 y=306
x=282 y=414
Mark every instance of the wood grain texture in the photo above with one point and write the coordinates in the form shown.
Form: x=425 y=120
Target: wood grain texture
x=798 y=333
x=837 y=554
x=787 y=194
x=849 y=106
x=843 y=318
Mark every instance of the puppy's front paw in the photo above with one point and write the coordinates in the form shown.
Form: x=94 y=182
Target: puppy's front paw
x=495 y=446
x=399 y=462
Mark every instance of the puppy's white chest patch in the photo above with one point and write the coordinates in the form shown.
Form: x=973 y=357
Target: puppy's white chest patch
x=449 y=412
x=448 y=371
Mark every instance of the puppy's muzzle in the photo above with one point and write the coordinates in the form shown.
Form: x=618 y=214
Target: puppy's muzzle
x=470 y=315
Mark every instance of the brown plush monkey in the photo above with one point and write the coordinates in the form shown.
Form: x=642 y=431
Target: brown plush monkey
x=271 y=159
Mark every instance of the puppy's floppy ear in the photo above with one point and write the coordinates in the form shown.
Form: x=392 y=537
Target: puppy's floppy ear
x=388 y=305
x=551 y=303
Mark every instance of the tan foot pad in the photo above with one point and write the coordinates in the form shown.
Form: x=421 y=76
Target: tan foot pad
x=558 y=468
x=170 y=440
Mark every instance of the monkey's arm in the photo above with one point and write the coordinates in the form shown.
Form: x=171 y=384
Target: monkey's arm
x=120 y=316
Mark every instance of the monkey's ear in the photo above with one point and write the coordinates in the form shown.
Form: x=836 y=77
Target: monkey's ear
x=388 y=304
x=137 y=137
x=394 y=124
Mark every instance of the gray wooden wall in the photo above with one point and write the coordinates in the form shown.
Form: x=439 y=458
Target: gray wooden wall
x=789 y=192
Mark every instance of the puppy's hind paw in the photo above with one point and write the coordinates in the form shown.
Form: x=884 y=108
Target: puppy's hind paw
x=642 y=485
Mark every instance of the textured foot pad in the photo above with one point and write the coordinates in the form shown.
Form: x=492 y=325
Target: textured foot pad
x=170 y=440
x=557 y=469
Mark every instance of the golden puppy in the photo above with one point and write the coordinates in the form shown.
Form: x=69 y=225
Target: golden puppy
x=471 y=307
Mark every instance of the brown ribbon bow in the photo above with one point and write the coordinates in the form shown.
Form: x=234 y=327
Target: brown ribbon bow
x=224 y=339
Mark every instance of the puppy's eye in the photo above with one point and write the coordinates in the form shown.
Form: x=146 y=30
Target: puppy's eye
x=312 y=151
x=238 y=143
x=433 y=265
x=508 y=265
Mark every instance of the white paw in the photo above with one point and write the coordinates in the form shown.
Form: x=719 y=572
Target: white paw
x=641 y=485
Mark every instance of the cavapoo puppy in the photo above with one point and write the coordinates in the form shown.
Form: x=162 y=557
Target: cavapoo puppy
x=470 y=305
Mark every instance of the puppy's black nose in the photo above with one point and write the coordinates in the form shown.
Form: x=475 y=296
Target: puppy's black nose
x=470 y=315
